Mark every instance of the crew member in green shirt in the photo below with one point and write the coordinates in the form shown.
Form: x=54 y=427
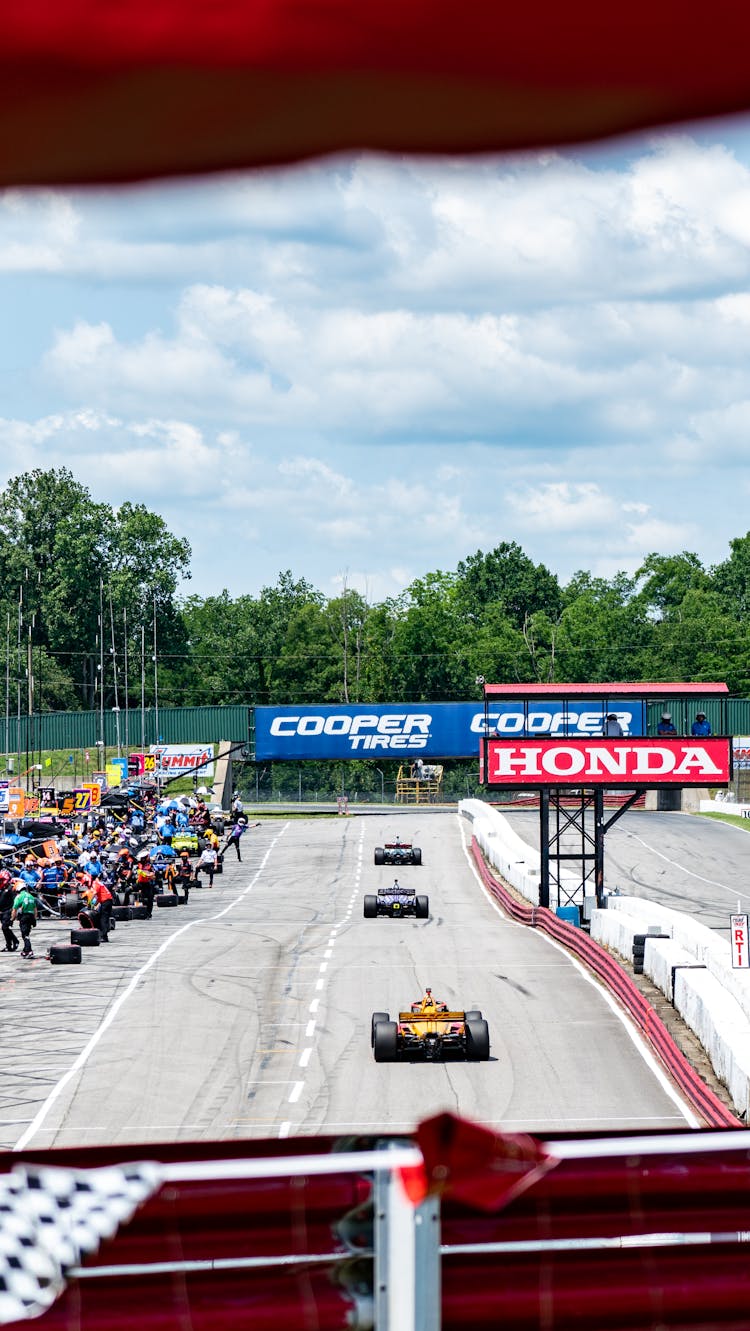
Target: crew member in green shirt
x=24 y=910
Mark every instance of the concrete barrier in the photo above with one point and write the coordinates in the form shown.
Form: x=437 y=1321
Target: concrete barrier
x=692 y=967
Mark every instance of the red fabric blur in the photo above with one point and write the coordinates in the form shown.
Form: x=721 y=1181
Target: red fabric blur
x=104 y=90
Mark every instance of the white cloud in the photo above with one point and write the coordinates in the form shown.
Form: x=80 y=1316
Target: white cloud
x=383 y=365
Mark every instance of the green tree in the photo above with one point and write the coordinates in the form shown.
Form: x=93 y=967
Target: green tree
x=604 y=631
x=731 y=579
x=508 y=577
x=59 y=550
x=666 y=580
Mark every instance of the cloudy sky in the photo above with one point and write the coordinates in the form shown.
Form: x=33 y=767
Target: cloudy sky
x=369 y=368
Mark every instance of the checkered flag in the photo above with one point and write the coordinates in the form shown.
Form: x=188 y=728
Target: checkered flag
x=51 y=1218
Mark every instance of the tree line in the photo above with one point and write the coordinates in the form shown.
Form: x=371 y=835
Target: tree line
x=84 y=583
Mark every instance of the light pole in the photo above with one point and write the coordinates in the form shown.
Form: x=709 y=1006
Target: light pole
x=116 y=711
x=382 y=785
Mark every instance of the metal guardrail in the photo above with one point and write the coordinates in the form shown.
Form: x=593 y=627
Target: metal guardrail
x=590 y=1232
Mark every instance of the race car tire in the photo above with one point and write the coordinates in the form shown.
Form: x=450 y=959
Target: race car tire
x=385 y=1043
x=64 y=954
x=379 y=855
x=166 y=899
x=416 y=855
x=477 y=1041
x=422 y=907
x=70 y=906
x=139 y=913
x=182 y=898
x=473 y=1014
x=377 y=1017
x=219 y=868
x=122 y=913
x=85 y=937
x=370 y=908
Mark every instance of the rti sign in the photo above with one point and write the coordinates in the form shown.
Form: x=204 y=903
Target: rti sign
x=608 y=762
x=738 y=941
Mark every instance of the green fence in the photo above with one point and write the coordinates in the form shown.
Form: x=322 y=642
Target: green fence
x=683 y=714
x=190 y=725
x=82 y=730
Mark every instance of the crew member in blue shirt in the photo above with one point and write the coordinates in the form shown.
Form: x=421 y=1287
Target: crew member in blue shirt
x=666 y=725
x=700 y=725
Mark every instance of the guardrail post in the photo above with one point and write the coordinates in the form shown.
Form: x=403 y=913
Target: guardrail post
x=407 y=1258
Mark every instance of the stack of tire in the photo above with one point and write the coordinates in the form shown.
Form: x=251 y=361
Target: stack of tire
x=639 y=950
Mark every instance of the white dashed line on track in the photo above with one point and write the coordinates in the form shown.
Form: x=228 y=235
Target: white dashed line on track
x=296 y=1092
x=310 y=1030
x=285 y=1128
x=305 y=1057
x=314 y=1005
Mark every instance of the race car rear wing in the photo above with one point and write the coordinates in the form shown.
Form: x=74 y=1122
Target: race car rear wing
x=411 y=1017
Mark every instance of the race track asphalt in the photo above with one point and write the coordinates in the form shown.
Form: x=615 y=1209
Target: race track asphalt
x=691 y=864
x=247 y=1012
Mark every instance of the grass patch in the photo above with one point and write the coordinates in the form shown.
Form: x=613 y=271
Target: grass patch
x=735 y=819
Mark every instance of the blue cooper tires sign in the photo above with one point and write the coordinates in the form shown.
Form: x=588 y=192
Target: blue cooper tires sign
x=438 y=730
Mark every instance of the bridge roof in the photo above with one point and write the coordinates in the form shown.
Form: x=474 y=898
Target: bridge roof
x=638 y=689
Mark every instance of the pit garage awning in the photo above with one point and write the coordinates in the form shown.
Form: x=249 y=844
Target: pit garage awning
x=107 y=90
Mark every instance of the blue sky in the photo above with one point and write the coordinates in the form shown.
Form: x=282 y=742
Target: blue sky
x=365 y=369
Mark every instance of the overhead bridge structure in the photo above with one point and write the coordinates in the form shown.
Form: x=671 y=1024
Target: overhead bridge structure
x=627 y=737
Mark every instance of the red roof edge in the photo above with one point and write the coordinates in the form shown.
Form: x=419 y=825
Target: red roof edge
x=639 y=689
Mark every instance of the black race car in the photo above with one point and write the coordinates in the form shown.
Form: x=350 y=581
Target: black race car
x=398 y=852
x=396 y=901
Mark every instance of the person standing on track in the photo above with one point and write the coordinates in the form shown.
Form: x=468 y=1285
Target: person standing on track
x=145 y=881
x=24 y=910
x=238 y=827
x=102 y=901
x=207 y=864
x=7 y=897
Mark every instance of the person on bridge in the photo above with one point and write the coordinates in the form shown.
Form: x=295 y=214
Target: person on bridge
x=612 y=725
x=700 y=725
x=666 y=725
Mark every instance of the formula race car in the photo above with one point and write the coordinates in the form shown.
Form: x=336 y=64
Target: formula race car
x=429 y=1030
x=396 y=901
x=398 y=852
x=186 y=841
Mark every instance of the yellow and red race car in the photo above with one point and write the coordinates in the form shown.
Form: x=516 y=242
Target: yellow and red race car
x=430 y=1030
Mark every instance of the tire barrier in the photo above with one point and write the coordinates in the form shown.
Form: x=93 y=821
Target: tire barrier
x=85 y=937
x=64 y=954
x=639 y=949
x=709 y=1106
